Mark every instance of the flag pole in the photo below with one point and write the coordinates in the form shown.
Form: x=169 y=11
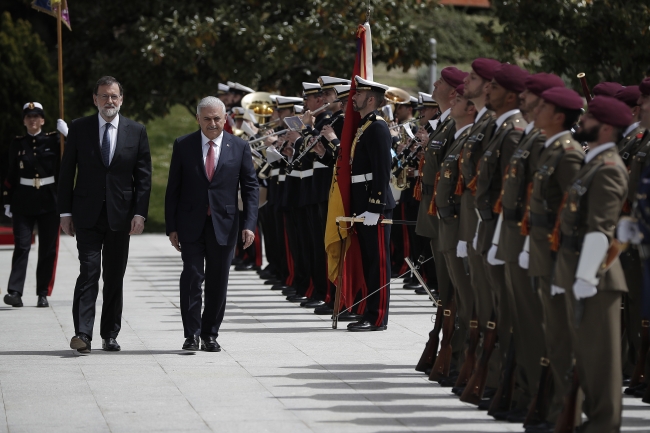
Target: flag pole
x=60 y=45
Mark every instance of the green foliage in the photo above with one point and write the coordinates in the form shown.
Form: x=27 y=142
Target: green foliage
x=607 y=39
x=26 y=75
x=169 y=52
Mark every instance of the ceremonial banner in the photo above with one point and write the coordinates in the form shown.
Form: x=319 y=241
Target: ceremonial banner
x=50 y=8
x=339 y=199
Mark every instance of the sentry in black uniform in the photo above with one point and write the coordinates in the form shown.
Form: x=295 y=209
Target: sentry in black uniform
x=29 y=196
x=371 y=198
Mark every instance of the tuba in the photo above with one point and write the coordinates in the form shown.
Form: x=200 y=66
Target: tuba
x=259 y=103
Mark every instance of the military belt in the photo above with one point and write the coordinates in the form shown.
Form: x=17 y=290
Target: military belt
x=512 y=214
x=485 y=214
x=301 y=174
x=282 y=177
x=275 y=172
x=319 y=165
x=542 y=220
x=449 y=211
x=571 y=242
x=361 y=178
x=38 y=182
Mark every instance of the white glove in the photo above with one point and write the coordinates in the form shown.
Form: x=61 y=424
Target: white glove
x=627 y=230
x=475 y=240
x=492 y=256
x=62 y=127
x=557 y=290
x=370 y=219
x=524 y=257
x=582 y=289
x=8 y=211
x=461 y=249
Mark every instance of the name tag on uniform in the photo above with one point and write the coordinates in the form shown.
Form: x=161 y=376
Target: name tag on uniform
x=521 y=154
x=437 y=145
x=452 y=157
x=488 y=153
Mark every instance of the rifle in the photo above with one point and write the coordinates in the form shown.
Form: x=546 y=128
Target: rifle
x=428 y=357
x=502 y=400
x=473 y=392
x=470 y=354
x=639 y=369
x=443 y=362
x=566 y=421
x=538 y=410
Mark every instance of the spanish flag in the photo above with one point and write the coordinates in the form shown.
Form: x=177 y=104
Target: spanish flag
x=337 y=241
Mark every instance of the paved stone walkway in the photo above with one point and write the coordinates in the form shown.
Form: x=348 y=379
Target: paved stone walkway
x=283 y=369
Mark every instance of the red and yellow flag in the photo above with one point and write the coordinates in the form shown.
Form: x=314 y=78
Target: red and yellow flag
x=339 y=199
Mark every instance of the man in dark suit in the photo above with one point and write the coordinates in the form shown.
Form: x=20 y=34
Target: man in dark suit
x=202 y=217
x=110 y=156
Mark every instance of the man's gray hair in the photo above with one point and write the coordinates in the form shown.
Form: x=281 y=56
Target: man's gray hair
x=210 y=101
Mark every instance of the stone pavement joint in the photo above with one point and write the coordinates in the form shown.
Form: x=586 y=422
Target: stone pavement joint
x=282 y=368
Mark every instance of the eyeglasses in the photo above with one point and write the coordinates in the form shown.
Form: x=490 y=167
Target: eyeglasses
x=107 y=97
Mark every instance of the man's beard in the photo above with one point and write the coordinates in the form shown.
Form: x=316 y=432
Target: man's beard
x=583 y=135
x=110 y=112
x=358 y=107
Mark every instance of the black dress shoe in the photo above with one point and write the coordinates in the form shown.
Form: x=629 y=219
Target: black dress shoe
x=633 y=389
x=280 y=287
x=312 y=304
x=191 y=343
x=458 y=390
x=237 y=261
x=413 y=286
x=408 y=279
x=543 y=427
x=297 y=298
x=272 y=282
x=266 y=275
x=421 y=291
x=42 y=302
x=14 y=299
x=346 y=316
x=110 y=345
x=210 y=344
x=80 y=343
x=324 y=310
x=246 y=267
x=485 y=404
x=363 y=326
x=450 y=381
x=517 y=416
x=289 y=292
x=489 y=392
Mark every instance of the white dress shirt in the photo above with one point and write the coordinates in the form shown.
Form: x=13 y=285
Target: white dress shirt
x=481 y=112
x=205 y=147
x=631 y=128
x=112 y=133
x=444 y=115
x=529 y=128
x=597 y=150
x=460 y=131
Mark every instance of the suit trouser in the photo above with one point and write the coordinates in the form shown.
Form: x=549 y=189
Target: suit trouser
x=295 y=220
x=597 y=346
x=484 y=304
x=101 y=250
x=464 y=304
x=48 y=248
x=374 y=243
x=558 y=344
x=501 y=307
x=526 y=312
x=318 y=265
x=631 y=263
x=204 y=260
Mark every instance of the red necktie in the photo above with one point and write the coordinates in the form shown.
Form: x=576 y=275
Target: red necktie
x=209 y=166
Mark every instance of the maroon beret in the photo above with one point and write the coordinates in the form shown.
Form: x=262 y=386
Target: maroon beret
x=511 y=77
x=485 y=68
x=538 y=83
x=644 y=87
x=563 y=98
x=630 y=95
x=453 y=76
x=606 y=88
x=610 y=111
x=460 y=90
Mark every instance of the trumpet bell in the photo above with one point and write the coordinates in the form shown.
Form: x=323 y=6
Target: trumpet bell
x=260 y=103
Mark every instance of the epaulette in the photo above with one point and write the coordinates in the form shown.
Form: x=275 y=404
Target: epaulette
x=569 y=145
x=377 y=117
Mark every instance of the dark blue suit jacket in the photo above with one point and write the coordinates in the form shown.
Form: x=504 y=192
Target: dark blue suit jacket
x=189 y=193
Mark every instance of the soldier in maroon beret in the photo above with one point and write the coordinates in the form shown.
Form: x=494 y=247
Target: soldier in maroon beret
x=606 y=88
